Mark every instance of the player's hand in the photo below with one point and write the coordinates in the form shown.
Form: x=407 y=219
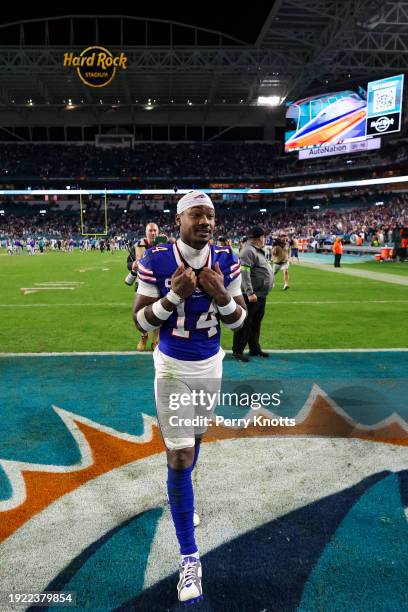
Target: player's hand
x=134 y=266
x=252 y=298
x=212 y=281
x=183 y=281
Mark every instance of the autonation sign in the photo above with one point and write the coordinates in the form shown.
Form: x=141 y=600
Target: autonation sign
x=340 y=149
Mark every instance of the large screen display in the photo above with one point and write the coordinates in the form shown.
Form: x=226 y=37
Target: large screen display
x=335 y=118
x=384 y=105
x=345 y=116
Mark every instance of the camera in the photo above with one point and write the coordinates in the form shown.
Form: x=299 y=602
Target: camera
x=130 y=278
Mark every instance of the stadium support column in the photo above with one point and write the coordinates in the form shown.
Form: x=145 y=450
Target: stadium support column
x=269 y=131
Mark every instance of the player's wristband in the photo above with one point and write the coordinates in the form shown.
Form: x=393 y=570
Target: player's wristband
x=239 y=321
x=173 y=297
x=228 y=308
x=160 y=312
x=143 y=322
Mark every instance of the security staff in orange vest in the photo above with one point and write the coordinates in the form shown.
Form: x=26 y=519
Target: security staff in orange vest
x=338 y=252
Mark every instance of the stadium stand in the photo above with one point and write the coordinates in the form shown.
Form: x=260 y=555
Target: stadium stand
x=172 y=161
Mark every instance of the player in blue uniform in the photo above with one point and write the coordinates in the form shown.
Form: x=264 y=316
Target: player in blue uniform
x=186 y=289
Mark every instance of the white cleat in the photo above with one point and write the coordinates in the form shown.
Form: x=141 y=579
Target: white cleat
x=189 y=586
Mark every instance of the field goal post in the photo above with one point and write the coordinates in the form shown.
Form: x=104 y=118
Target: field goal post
x=105 y=216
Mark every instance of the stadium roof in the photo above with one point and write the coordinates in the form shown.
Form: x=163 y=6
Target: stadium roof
x=194 y=73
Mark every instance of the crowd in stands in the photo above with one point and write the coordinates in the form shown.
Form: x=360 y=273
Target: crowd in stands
x=182 y=160
x=375 y=223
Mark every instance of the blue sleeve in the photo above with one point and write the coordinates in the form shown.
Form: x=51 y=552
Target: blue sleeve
x=230 y=266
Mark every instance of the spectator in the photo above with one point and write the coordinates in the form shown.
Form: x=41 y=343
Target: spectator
x=280 y=258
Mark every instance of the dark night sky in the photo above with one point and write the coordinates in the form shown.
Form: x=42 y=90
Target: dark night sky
x=244 y=24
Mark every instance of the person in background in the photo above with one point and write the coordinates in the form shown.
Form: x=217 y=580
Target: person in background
x=338 y=252
x=139 y=250
x=257 y=280
x=294 y=249
x=280 y=258
x=223 y=241
x=268 y=247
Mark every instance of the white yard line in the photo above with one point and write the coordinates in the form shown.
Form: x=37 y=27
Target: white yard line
x=149 y=354
x=349 y=271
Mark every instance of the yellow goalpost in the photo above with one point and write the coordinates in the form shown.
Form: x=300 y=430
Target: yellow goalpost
x=105 y=208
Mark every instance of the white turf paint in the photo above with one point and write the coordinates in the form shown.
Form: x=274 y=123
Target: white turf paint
x=358 y=272
x=149 y=353
x=14 y=469
x=86 y=514
x=129 y=305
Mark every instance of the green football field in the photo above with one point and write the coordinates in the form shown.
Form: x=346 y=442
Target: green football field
x=78 y=302
x=389 y=267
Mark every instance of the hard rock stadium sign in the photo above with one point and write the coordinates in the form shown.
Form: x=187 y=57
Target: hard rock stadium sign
x=96 y=66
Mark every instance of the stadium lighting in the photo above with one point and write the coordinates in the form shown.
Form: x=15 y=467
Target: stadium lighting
x=269 y=100
x=125 y=211
x=43 y=211
x=316 y=207
x=139 y=192
x=262 y=210
x=68 y=187
x=1 y=212
x=166 y=210
x=379 y=203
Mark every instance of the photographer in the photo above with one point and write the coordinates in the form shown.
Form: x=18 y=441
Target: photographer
x=135 y=255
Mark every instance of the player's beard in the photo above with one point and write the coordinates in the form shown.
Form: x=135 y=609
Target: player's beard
x=202 y=236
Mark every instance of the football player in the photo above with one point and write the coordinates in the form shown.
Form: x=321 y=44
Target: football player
x=186 y=289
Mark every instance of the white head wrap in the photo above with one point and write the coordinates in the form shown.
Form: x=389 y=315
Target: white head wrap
x=193 y=198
